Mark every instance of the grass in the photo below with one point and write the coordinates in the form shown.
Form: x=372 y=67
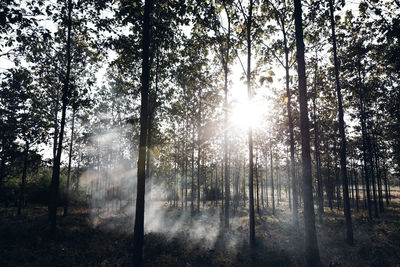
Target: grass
x=24 y=240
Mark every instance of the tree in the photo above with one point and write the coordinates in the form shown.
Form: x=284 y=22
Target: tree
x=311 y=245
x=55 y=180
x=249 y=22
x=138 y=234
x=282 y=14
x=343 y=164
x=24 y=113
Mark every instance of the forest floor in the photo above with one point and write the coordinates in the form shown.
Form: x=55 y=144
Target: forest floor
x=86 y=240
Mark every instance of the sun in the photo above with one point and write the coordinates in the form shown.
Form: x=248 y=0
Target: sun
x=245 y=114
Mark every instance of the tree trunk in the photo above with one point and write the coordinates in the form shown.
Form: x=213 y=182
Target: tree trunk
x=257 y=188
x=69 y=164
x=378 y=172
x=2 y=168
x=138 y=234
x=343 y=167
x=272 y=182
x=262 y=188
x=266 y=179
x=357 y=191
x=56 y=104
x=148 y=155
x=23 y=180
x=311 y=245
x=198 y=154
x=386 y=186
x=364 y=148
x=291 y=132
x=320 y=194
x=150 y=128
x=288 y=182
x=192 y=191
x=244 y=183
x=250 y=133
x=55 y=179
x=216 y=185
x=226 y=159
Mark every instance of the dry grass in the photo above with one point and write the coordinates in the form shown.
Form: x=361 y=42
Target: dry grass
x=24 y=241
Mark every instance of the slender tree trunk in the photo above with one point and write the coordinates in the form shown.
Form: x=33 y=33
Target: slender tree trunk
x=226 y=159
x=364 y=150
x=311 y=245
x=138 y=235
x=192 y=191
x=376 y=213
x=244 y=183
x=386 y=186
x=272 y=182
x=198 y=156
x=378 y=172
x=204 y=179
x=56 y=105
x=222 y=188
x=352 y=184
x=151 y=114
x=250 y=96
x=216 y=184
x=357 y=191
x=343 y=167
x=262 y=188
x=337 y=182
x=148 y=155
x=291 y=131
x=186 y=177
x=288 y=182
x=266 y=179
x=69 y=164
x=23 y=180
x=55 y=179
x=320 y=194
x=182 y=176
x=257 y=189
x=2 y=168
x=364 y=189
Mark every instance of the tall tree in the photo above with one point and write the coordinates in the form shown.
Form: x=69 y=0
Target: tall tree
x=343 y=167
x=311 y=245
x=55 y=180
x=249 y=21
x=282 y=13
x=225 y=60
x=138 y=235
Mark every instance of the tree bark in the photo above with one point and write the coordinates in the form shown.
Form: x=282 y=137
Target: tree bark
x=291 y=131
x=55 y=179
x=198 y=153
x=257 y=188
x=272 y=181
x=138 y=235
x=343 y=167
x=69 y=164
x=192 y=189
x=320 y=193
x=311 y=245
x=226 y=159
x=364 y=148
x=250 y=132
x=2 y=168
x=23 y=180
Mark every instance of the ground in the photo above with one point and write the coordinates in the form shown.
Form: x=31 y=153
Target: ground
x=24 y=240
